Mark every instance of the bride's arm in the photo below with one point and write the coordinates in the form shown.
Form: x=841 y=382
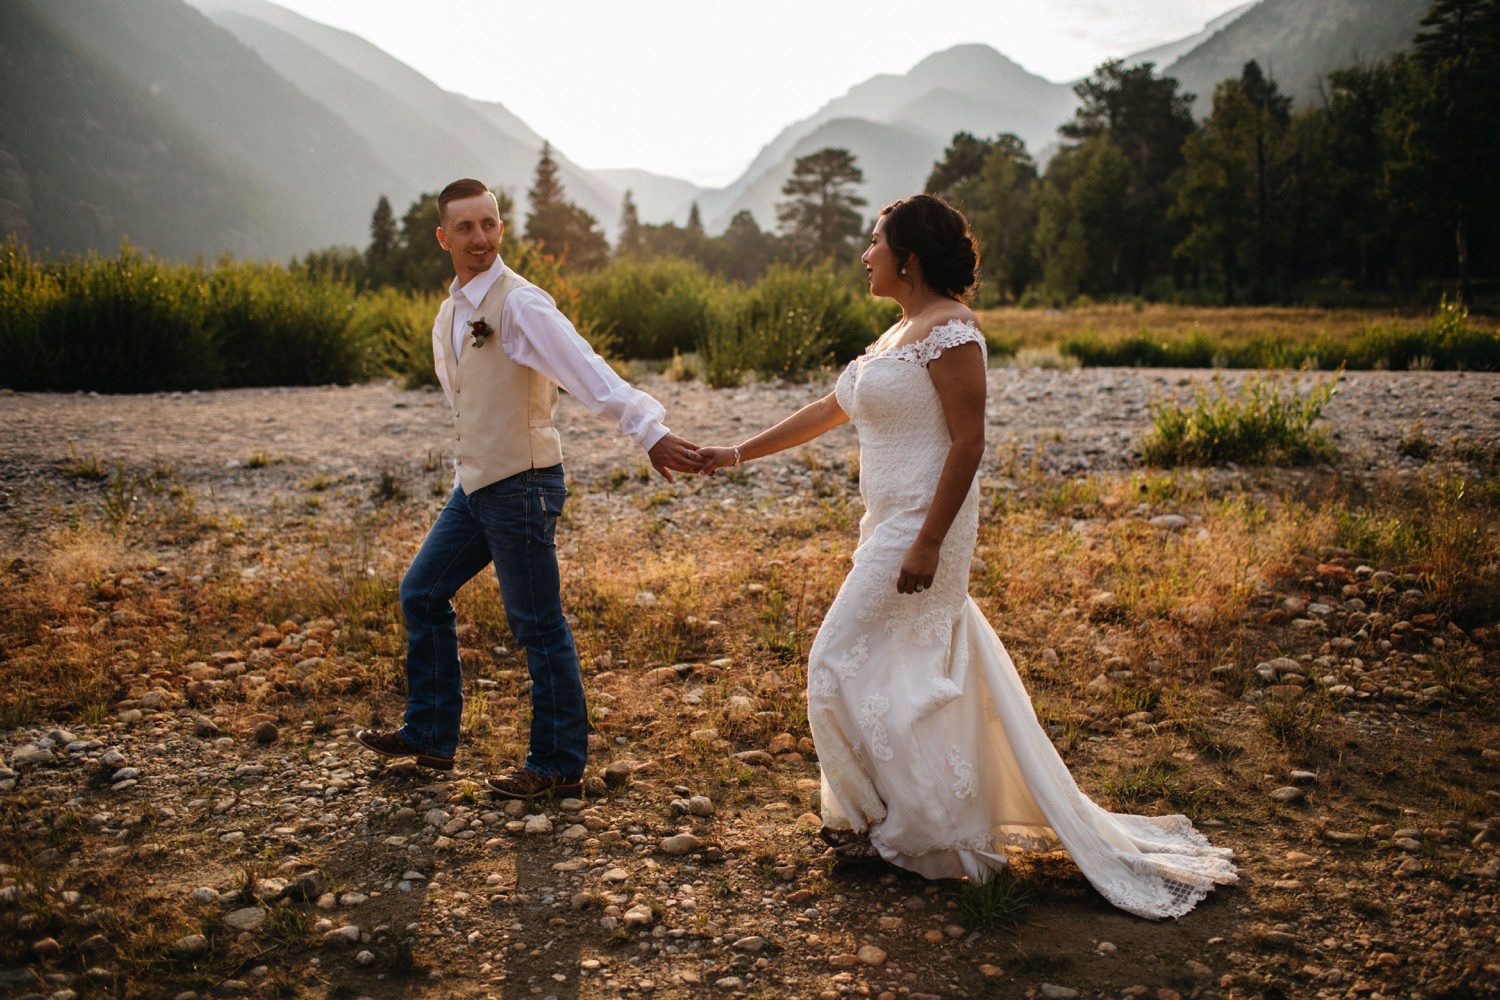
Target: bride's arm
x=959 y=377
x=804 y=425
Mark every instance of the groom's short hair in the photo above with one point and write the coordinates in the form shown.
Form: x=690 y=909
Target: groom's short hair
x=464 y=187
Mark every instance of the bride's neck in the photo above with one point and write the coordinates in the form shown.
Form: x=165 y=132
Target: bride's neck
x=919 y=302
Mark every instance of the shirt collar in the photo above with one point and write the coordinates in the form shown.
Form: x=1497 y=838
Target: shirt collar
x=479 y=286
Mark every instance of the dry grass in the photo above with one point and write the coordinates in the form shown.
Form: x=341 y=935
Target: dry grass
x=1245 y=336
x=1043 y=327
x=1076 y=579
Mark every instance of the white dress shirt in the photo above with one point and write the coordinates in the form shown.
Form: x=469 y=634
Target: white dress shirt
x=535 y=333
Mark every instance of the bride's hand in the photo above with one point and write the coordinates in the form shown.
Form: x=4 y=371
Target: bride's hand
x=713 y=459
x=919 y=567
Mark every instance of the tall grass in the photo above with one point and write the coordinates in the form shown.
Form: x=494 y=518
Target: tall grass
x=654 y=308
x=791 y=322
x=1448 y=340
x=132 y=323
x=1266 y=422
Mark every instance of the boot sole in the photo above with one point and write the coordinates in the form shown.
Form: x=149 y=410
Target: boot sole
x=572 y=790
x=425 y=760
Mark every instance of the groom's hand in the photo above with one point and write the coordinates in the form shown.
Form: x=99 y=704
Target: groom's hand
x=674 y=454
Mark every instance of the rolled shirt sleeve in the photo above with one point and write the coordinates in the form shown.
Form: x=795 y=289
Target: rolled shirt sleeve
x=535 y=333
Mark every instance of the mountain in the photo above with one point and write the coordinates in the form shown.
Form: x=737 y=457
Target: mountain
x=964 y=88
x=1165 y=55
x=657 y=198
x=309 y=176
x=975 y=89
x=87 y=156
x=442 y=135
x=1297 y=42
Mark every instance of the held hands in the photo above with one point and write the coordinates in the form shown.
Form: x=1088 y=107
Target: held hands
x=674 y=454
x=711 y=460
x=919 y=567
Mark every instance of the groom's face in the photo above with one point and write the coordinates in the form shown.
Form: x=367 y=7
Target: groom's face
x=471 y=232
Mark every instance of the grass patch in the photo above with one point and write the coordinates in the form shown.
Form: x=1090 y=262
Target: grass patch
x=997 y=904
x=1267 y=422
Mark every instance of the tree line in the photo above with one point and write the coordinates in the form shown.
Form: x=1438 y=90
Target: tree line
x=1386 y=187
x=1390 y=184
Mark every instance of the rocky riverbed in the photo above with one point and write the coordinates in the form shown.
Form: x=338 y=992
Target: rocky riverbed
x=211 y=829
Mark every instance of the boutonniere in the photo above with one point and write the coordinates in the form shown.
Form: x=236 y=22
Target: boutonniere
x=480 y=332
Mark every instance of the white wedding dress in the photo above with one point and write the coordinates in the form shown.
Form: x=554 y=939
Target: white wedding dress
x=925 y=733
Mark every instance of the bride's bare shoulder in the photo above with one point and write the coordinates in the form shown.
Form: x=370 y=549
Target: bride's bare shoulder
x=955 y=312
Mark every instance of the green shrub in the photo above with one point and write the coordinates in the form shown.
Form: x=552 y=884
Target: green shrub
x=652 y=308
x=122 y=324
x=396 y=328
x=1264 y=424
x=790 y=323
x=1449 y=341
x=270 y=326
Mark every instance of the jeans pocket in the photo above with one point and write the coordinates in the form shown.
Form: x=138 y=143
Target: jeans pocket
x=550 y=500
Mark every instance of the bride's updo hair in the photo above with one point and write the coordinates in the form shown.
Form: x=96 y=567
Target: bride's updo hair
x=937 y=234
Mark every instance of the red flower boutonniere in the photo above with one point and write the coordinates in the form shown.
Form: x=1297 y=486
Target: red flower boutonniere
x=480 y=332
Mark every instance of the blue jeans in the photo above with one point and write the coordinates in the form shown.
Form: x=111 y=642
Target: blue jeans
x=511 y=524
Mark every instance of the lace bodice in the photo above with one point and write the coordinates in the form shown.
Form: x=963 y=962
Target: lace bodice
x=903 y=435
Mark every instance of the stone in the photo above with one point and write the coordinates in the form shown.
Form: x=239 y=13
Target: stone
x=246 y=919
x=436 y=817
x=365 y=957
x=843 y=961
x=729 y=983
x=700 y=805
x=868 y=954
x=191 y=946
x=1054 y=992
x=753 y=944
x=618 y=772
x=31 y=755
x=1304 y=777
x=1167 y=522
x=538 y=823
x=682 y=843
x=203 y=894
x=204 y=726
x=755 y=758
x=265 y=733
x=1288 y=794
x=307 y=885
x=347 y=934
x=639 y=915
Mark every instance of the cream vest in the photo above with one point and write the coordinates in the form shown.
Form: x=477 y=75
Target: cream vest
x=502 y=411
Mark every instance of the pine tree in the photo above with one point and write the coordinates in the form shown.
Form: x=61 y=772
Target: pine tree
x=962 y=160
x=383 y=235
x=695 y=221
x=822 y=214
x=630 y=228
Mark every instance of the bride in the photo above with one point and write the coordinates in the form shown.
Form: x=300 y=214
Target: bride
x=932 y=757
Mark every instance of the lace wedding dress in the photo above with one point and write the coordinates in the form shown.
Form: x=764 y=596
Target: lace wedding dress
x=924 y=730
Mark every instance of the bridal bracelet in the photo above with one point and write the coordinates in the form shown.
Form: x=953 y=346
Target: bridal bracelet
x=736 y=455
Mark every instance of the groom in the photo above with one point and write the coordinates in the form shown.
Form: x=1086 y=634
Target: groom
x=502 y=348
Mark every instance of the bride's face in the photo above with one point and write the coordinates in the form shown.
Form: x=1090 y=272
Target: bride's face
x=882 y=269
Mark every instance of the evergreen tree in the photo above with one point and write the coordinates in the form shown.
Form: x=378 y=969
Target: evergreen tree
x=1000 y=200
x=962 y=161
x=745 y=250
x=1451 y=143
x=695 y=220
x=629 y=244
x=557 y=225
x=822 y=213
x=1146 y=120
x=1234 y=179
x=383 y=236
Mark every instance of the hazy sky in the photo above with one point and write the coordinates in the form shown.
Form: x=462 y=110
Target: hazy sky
x=695 y=89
